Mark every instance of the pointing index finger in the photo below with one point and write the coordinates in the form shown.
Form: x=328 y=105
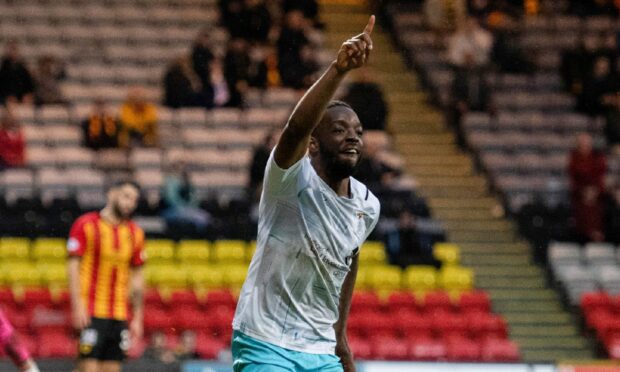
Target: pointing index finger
x=370 y=25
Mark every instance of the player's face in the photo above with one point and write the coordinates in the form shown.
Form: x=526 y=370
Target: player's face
x=124 y=200
x=340 y=141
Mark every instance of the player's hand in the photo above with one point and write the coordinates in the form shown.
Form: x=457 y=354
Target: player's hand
x=80 y=318
x=346 y=357
x=136 y=331
x=354 y=52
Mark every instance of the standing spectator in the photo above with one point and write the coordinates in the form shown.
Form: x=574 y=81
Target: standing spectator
x=292 y=40
x=259 y=162
x=187 y=347
x=47 y=76
x=182 y=86
x=366 y=98
x=237 y=71
x=16 y=83
x=182 y=209
x=12 y=145
x=202 y=56
x=404 y=246
x=444 y=16
x=587 y=183
x=138 y=120
x=470 y=44
x=100 y=129
x=256 y=21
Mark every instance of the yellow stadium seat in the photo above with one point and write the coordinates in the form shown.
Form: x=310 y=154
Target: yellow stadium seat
x=53 y=273
x=229 y=251
x=420 y=278
x=234 y=275
x=159 y=250
x=207 y=277
x=455 y=278
x=14 y=249
x=372 y=252
x=447 y=253
x=251 y=250
x=24 y=274
x=49 y=249
x=170 y=276
x=385 y=278
x=193 y=251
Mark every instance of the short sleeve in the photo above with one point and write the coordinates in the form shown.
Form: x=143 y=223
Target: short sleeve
x=280 y=181
x=76 y=245
x=138 y=257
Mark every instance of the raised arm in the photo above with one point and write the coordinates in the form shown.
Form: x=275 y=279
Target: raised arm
x=295 y=138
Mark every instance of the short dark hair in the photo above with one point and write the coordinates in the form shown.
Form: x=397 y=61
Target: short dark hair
x=120 y=182
x=338 y=103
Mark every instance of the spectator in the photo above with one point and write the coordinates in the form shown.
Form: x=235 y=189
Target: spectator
x=138 y=120
x=506 y=52
x=596 y=87
x=587 y=184
x=202 y=56
x=48 y=76
x=366 y=98
x=187 y=347
x=576 y=65
x=157 y=350
x=259 y=162
x=403 y=244
x=256 y=21
x=292 y=40
x=182 y=209
x=470 y=44
x=182 y=86
x=237 y=71
x=12 y=147
x=100 y=129
x=612 y=120
x=309 y=8
x=444 y=16
x=613 y=216
x=479 y=9
x=232 y=17
x=594 y=7
x=16 y=83
x=219 y=86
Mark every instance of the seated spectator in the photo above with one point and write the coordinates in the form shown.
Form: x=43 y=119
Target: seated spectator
x=576 y=65
x=256 y=20
x=507 y=53
x=237 y=71
x=16 y=83
x=187 y=347
x=48 y=76
x=403 y=244
x=138 y=120
x=596 y=87
x=182 y=86
x=366 y=98
x=470 y=44
x=202 y=56
x=292 y=40
x=612 y=218
x=157 y=350
x=12 y=145
x=444 y=16
x=587 y=184
x=100 y=129
x=182 y=209
x=259 y=162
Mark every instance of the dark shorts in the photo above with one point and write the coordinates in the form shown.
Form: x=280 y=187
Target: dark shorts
x=104 y=339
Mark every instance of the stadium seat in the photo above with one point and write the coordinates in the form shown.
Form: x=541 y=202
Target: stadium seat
x=484 y=325
x=389 y=348
x=24 y=274
x=36 y=297
x=499 y=350
x=593 y=301
x=385 y=278
x=361 y=348
x=456 y=279
x=229 y=251
x=193 y=251
x=437 y=301
x=365 y=301
x=14 y=249
x=167 y=276
x=157 y=320
x=57 y=345
x=427 y=349
x=462 y=350
x=250 y=250
x=209 y=348
x=219 y=321
x=474 y=301
x=220 y=298
x=234 y=275
x=207 y=277
x=421 y=278
x=413 y=325
x=449 y=254
x=53 y=274
x=159 y=250
x=184 y=298
x=401 y=300
x=186 y=318
x=447 y=324
x=372 y=252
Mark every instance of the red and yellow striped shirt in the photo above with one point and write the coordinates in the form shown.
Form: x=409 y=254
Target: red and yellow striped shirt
x=107 y=252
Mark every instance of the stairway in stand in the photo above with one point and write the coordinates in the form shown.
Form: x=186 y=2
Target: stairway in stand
x=459 y=197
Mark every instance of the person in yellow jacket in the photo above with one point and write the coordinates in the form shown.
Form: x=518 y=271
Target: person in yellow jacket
x=138 y=120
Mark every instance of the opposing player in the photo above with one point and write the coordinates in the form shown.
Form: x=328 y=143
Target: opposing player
x=313 y=217
x=9 y=342
x=106 y=252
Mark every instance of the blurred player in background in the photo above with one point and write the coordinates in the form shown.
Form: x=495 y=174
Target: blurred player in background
x=106 y=252
x=313 y=218
x=11 y=345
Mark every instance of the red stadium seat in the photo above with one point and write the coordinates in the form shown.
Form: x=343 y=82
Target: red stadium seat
x=219 y=298
x=608 y=330
x=593 y=301
x=484 y=325
x=208 y=347
x=475 y=301
x=446 y=324
x=20 y=319
x=365 y=302
x=413 y=325
x=157 y=319
x=184 y=298
x=598 y=317
x=437 y=301
x=49 y=320
x=219 y=321
x=152 y=299
x=37 y=297
x=390 y=348
x=613 y=347
x=498 y=350
x=189 y=318
x=57 y=345
x=462 y=349
x=426 y=348
x=137 y=349
x=6 y=297
x=361 y=348
x=401 y=300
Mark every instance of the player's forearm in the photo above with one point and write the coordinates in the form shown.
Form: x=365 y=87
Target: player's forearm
x=346 y=294
x=73 y=273
x=137 y=295
x=310 y=108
